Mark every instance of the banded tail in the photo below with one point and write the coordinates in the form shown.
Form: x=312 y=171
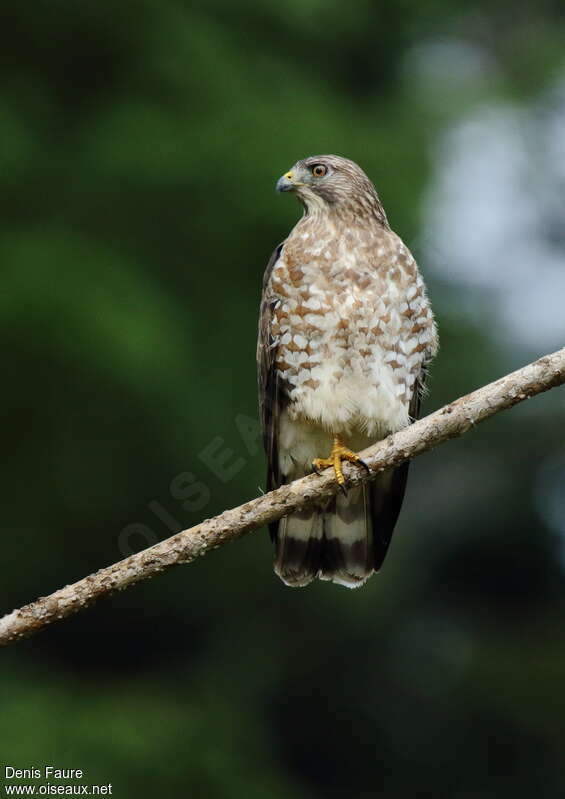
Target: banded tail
x=346 y=540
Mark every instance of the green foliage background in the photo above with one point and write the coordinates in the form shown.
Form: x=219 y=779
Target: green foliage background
x=141 y=142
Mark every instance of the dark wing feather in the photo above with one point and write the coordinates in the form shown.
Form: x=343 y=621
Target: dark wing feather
x=270 y=395
x=386 y=493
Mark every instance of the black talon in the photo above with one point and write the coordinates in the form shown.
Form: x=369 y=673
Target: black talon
x=364 y=465
x=343 y=489
x=315 y=469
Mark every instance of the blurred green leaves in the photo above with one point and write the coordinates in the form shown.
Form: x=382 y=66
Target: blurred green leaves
x=72 y=297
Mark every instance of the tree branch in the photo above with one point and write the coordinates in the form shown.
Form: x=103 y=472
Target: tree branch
x=449 y=422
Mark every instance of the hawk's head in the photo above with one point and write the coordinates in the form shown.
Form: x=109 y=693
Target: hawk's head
x=331 y=183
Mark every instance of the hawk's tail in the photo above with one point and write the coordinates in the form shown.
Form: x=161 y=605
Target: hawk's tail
x=345 y=541
x=298 y=547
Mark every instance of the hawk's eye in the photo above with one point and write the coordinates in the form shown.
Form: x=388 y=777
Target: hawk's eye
x=319 y=170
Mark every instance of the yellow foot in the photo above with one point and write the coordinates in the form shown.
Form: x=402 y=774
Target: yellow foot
x=339 y=453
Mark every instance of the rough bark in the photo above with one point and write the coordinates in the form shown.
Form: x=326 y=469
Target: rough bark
x=448 y=422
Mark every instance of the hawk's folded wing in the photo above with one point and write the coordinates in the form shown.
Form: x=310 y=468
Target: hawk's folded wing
x=270 y=396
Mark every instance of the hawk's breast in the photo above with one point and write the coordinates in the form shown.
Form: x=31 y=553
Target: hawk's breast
x=352 y=327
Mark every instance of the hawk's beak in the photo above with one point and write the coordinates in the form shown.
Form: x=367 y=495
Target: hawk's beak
x=285 y=183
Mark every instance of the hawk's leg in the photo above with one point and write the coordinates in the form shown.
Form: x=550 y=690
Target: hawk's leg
x=338 y=454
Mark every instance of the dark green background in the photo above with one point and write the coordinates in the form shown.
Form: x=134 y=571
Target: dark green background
x=140 y=145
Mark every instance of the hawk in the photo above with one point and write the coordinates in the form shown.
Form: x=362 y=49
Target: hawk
x=345 y=334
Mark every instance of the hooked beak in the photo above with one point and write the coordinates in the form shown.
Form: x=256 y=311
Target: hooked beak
x=286 y=183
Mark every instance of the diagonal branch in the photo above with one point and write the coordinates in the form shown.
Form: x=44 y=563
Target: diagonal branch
x=448 y=422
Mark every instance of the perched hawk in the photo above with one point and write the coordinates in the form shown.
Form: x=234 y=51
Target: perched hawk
x=345 y=334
